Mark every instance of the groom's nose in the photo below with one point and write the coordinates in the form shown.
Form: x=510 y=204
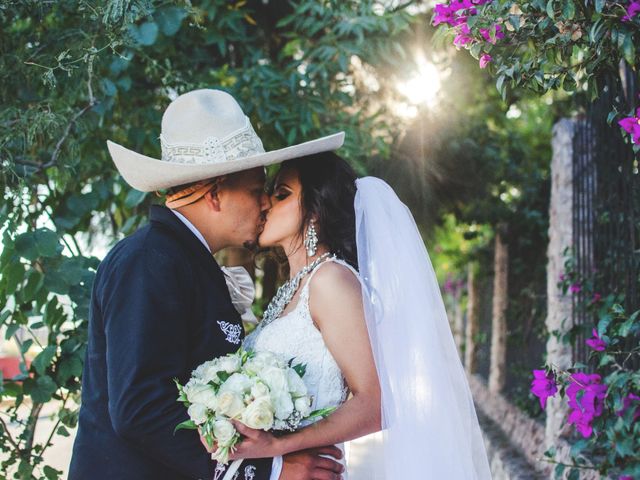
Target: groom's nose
x=265 y=202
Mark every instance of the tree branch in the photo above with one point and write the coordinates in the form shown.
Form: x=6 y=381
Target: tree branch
x=9 y=437
x=67 y=131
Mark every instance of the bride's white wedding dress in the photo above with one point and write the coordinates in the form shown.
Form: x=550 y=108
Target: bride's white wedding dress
x=430 y=427
x=294 y=335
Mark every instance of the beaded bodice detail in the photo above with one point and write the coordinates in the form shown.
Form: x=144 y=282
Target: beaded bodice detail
x=294 y=335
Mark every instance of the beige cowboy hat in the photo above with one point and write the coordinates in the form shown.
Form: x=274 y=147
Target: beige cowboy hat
x=206 y=134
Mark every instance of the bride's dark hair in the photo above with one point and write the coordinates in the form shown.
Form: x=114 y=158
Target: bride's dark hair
x=328 y=191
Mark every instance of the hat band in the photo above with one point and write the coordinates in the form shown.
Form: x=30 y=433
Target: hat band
x=242 y=143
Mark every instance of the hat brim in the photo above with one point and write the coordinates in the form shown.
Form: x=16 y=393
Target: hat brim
x=149 y=174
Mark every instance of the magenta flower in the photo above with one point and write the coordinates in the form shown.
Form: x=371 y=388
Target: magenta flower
x=452 y=14
x=498 y=34
x=484 y=60
x=543 y=386
x=596 y=298
x=443 y=14
x=463 y=38
x=586 y=400
x=631 y=125
x=632 y=10
x=596 y=342
x=449 y=286
x=630 y=399
x=625 y=477
x=457 y=6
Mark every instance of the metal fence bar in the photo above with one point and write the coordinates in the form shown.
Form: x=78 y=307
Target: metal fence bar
x=606 y=202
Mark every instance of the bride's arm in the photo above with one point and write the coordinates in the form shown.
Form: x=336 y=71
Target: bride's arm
x=335 y=302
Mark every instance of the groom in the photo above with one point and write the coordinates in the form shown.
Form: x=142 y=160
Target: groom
x=160 y=305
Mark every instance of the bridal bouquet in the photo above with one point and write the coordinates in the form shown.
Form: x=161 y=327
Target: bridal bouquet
x=257 y=389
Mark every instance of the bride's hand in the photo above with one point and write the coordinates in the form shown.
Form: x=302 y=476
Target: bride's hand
x=255 y=444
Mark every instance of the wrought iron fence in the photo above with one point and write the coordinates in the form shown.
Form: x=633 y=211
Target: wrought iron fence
x=606 y=202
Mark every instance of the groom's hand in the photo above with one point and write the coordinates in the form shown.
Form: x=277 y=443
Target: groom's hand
x=309 y=465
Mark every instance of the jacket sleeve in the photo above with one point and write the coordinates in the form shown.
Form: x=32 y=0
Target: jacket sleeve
x=146 y=302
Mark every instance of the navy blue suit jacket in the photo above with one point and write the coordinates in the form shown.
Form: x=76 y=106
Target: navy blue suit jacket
x=159 y=308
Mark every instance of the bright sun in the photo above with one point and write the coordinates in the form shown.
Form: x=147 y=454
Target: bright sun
x=422 y=88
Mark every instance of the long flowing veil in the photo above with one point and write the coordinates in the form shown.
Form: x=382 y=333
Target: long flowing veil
x=430 y=425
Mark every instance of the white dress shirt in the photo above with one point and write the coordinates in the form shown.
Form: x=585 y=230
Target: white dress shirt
x=276 y=467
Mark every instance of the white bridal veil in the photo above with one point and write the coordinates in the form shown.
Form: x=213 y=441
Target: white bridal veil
x=430 y=425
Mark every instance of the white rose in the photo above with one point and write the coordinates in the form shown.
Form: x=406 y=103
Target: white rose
x=207 y=372
x=198 y=392
x=275 y=378
x=303 y=405
x=229 y=364
x=296 y=385
x=267 y=358
x=260 y=361
x=230 y=404
x=258 y=415
x=198 y=413
x=259 y=390
x=224 y=432
x=283 y=405
x=237 y=383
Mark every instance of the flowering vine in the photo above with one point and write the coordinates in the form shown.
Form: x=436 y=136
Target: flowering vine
x=602 y=396
x=545 y=45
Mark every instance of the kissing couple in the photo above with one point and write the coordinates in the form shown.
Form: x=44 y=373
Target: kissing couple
x=362 y=310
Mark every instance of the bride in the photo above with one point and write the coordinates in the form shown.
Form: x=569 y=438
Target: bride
x=363 y=311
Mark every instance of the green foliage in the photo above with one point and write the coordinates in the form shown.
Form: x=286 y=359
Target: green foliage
x=74 y=73
x=555 y=44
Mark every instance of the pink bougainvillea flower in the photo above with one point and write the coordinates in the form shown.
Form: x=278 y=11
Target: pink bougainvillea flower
x=632 y=10
x=457 y=6
x=586 y=396
x=463 y=38
x=498 y=34
x=629 y=400
x=443 y=14
x=484 y=60
x=582 y=423
x=575 y=288
x=543 y=386
x=453 y=13
x=596 y=342
x=449 y=286
x=631 y=125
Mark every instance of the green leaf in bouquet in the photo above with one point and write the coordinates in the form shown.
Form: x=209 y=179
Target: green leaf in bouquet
x=300 y=369
x=186 y=425
x=245 y=355
x=223 y=376
x=322 y=412
x=182 y=397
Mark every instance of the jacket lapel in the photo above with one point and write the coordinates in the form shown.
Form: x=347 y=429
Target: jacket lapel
x=163 y=217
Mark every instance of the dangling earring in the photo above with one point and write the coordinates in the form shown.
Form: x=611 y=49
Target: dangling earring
x=311 y=240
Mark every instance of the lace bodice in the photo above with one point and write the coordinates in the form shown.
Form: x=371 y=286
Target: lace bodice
x=294 y=335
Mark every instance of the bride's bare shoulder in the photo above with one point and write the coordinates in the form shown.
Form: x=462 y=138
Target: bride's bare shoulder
x=333 y=278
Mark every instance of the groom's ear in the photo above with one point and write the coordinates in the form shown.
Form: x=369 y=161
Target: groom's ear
x=212 y=199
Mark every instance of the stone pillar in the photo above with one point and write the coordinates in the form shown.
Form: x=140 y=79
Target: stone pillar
x=498 y=370
x=559 y=307
x=473 y=320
